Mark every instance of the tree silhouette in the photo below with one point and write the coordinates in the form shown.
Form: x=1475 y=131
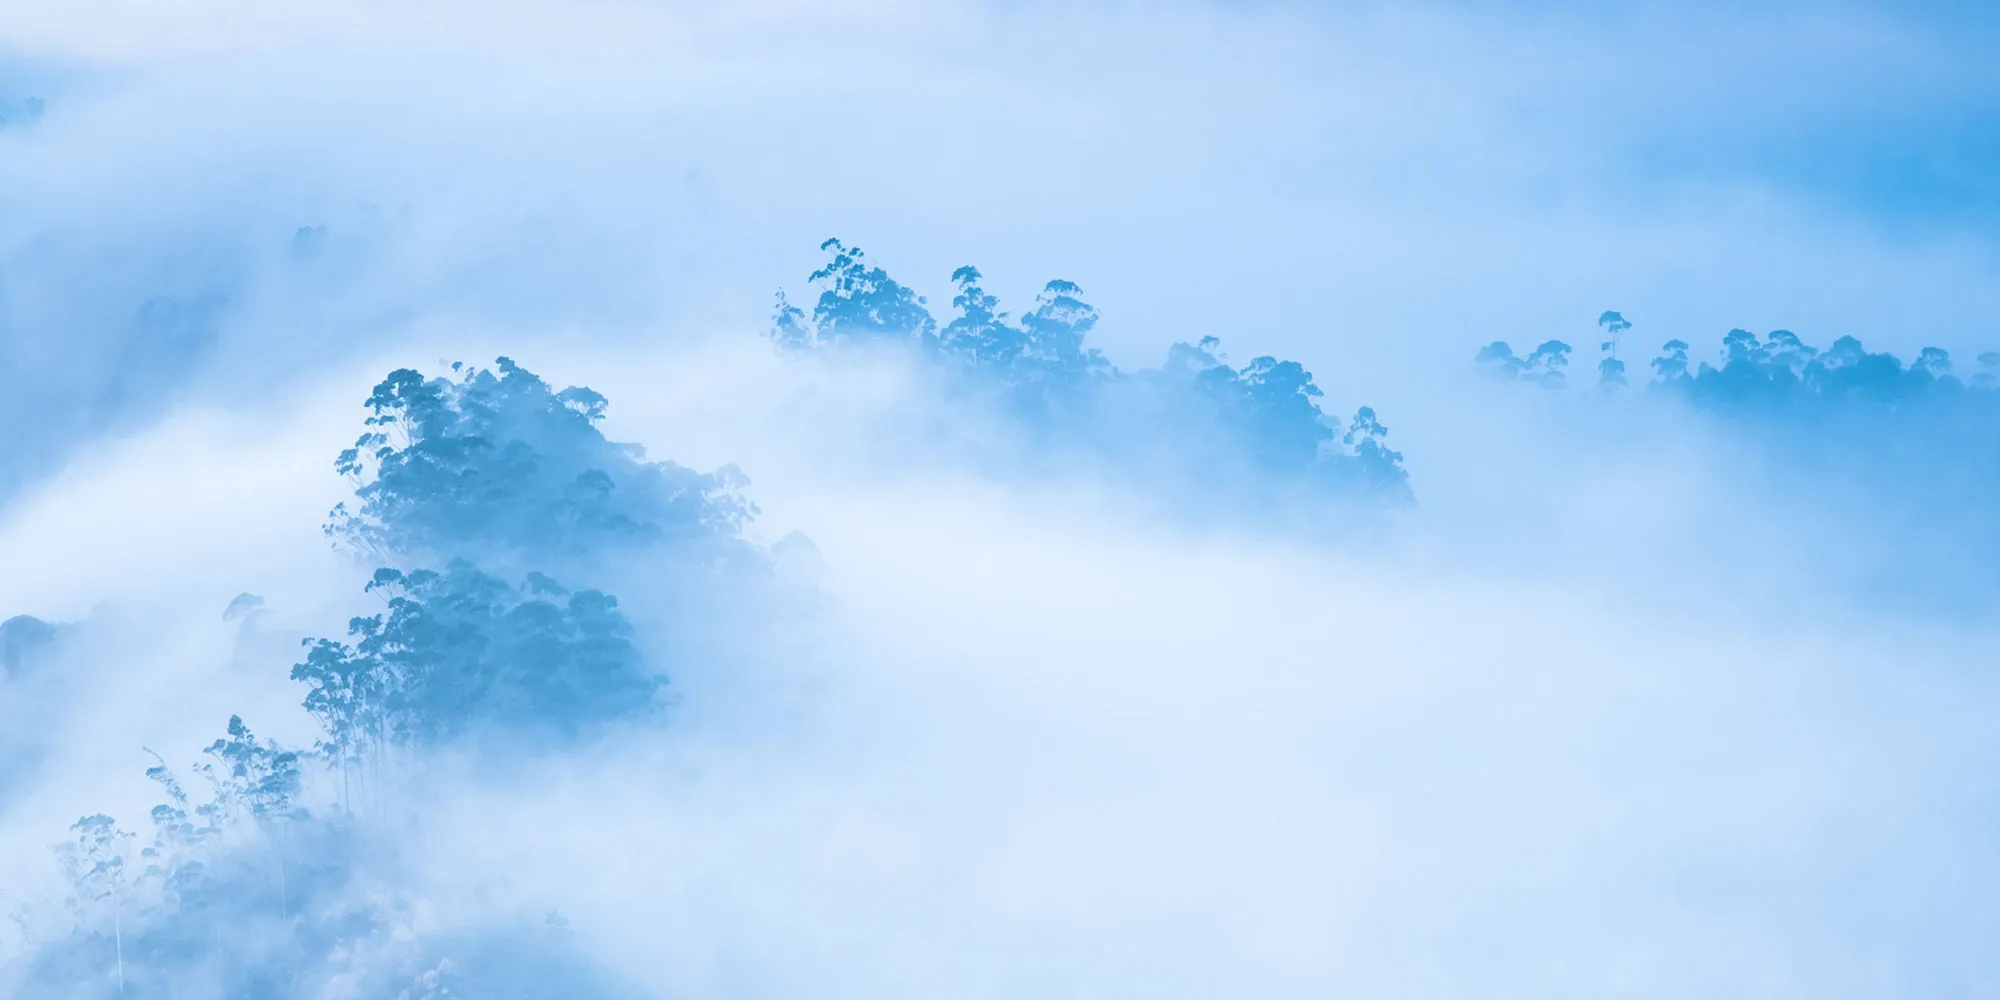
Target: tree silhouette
x=94 y=861
x=1047 y=377
x=859 y=302
x=1545 y=366
x=1611 y=370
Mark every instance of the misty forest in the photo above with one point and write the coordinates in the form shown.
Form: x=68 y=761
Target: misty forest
x=433 y=566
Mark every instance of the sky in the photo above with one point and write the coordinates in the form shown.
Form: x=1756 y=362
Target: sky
x=1589 y=721
x=1307 y=176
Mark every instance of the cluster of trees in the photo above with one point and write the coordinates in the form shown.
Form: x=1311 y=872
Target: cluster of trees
x=1257 y=426
x=1900 y=459
x=476 y=494
x=462 y=651
x=497 y=465
x=194 y=910
x=1773 y=371
x=497 y=522
x=473 y=491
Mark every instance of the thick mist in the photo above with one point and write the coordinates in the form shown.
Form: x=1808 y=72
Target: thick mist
x=1048 y=647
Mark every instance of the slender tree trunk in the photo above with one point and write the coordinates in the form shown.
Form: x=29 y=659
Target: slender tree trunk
x=118 y=940
x=284 y=905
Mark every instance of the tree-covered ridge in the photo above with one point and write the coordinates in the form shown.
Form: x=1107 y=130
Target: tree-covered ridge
x=1777 y=370
x=1264 y=418
x=502 y=469
x=1898 y=460
x=1271 y=408
x=497 y=463
x=494 y=517
x=244 y=890
x=240 y=889
x=461 y=652
x=476 y=494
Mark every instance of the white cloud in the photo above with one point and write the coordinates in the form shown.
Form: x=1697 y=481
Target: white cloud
x=1569 y=736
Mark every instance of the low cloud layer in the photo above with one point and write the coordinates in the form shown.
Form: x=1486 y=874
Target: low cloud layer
x=1004 y=688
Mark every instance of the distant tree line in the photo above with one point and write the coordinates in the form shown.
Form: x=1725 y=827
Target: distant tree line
x=1254 y=426
x=1776 y=370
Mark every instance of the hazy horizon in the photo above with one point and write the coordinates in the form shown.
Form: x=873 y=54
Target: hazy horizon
x=953 y=653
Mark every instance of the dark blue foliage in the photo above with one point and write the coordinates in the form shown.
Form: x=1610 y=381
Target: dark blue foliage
x=484 y=464
x=1902 y=457
x=495 y=517
x=857 y=303
x=1196 y=422
x=1768 y=376
x=461 y=652
x=497 y=469
x=1267 y=416
x=1782 y=374
x=245 y=891
x=1543 y=366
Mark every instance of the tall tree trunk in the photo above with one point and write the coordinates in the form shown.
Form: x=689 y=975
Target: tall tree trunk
x=284 y=905
x=118 y=939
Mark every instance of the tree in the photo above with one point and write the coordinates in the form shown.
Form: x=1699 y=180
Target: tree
x=460 y=652
x=93 y=859
x=1671 y=366
x=1378 y=467
x=788 y=327
x=260 y=782
x=501 y=465
x=351 y=695
x=180 y=830
x=981 y=334
x=1614 y=325
x=1932 y=361
x=859 y=302
x=1845 y=352
x=1546 y=364
x=1610 y=370
x=1989 y=363
x=1045 y=375
x=1742 y=347
x=1055 y=332
x=1787 y=351
x=1497 y=359
x=1275 y=406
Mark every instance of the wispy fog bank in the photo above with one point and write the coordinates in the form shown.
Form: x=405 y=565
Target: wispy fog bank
x=884 y=668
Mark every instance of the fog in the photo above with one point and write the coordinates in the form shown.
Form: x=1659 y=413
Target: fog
x=1007 y=684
